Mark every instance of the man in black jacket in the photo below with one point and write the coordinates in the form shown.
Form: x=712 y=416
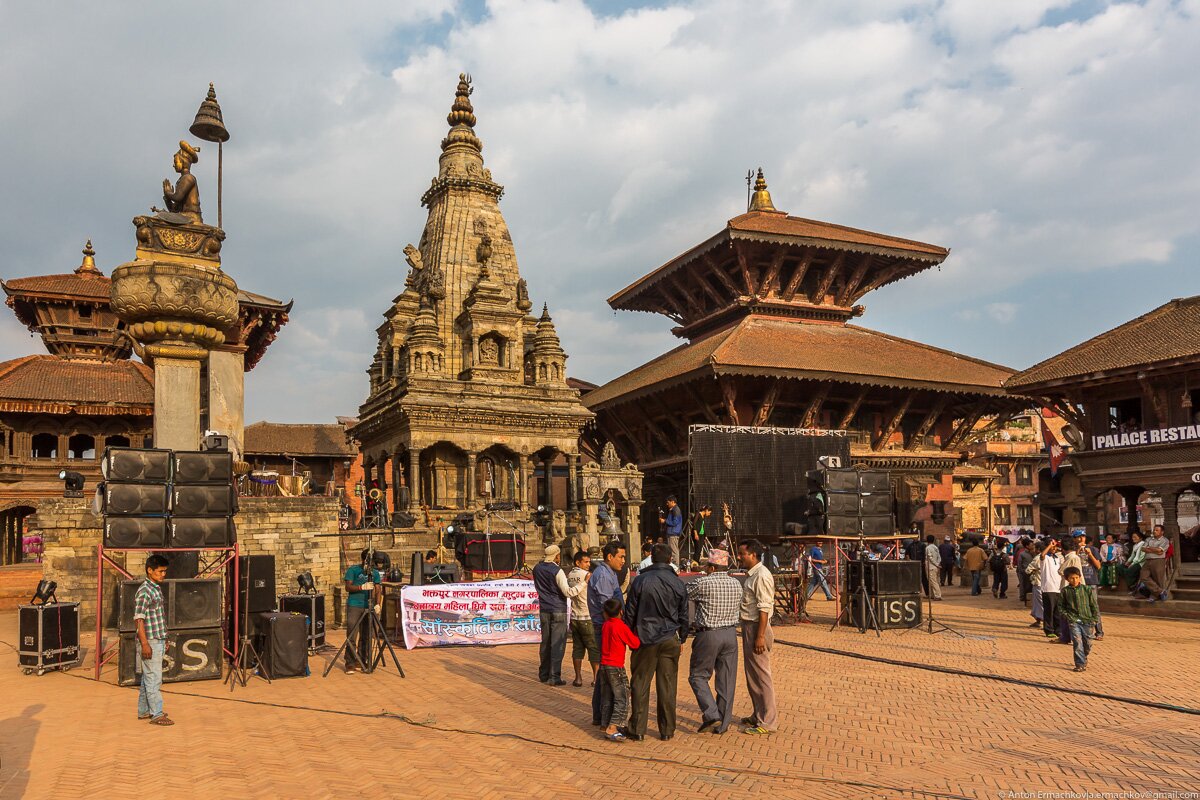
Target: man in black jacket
x=657 y=611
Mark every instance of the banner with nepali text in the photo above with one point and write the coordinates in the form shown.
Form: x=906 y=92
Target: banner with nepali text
x=490 y=612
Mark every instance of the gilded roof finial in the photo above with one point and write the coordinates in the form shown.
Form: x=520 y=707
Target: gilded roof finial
x=761 y=201
x=89 y=260
x=462 y=117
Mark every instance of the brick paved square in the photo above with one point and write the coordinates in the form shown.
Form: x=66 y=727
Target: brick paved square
x=475 y=723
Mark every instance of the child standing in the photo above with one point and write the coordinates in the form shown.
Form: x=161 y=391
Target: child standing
x=615 y=636
x=1078 y=607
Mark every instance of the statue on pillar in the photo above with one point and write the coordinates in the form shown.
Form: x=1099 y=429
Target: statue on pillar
x=184 y=197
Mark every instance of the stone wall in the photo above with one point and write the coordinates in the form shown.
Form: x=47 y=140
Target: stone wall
x=296 y=530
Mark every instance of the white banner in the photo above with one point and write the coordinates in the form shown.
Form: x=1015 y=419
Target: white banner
x=488 y=612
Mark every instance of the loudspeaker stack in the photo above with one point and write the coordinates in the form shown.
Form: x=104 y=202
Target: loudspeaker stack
x=155 y=499
x=850 y=502
x=192 y=607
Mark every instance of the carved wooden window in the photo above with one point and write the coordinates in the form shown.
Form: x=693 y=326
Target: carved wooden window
x=1003 y=515
x=81 y=446
x=1025 y=515
x=1024 y=475
x=1004 y=470
x=44 y=445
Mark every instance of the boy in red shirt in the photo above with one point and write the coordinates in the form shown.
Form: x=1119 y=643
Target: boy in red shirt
x=615 y=636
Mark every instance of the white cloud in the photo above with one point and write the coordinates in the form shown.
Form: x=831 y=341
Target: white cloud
x=1029 y=148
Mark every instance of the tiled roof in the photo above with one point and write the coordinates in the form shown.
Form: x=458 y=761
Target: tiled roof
x=815 y=351
x=93 y=286
x=276 y=438
x=780 y=224
x=1168 y=333
x=54 y=380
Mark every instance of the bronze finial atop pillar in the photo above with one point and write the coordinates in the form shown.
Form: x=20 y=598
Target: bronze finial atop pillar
x=761 y=201
x=88 y=266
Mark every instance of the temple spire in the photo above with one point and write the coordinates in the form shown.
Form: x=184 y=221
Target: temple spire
x=761 y=201
x=462 y=119
x=88 y=265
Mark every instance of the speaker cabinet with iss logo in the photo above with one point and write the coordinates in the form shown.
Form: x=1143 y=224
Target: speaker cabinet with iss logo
x=193 y=655
x=891 y=610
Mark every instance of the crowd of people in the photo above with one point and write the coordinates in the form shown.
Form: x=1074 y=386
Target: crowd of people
x=1058 y=578
x=608 y=609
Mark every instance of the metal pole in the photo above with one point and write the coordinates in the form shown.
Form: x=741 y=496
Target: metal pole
x=220 y=182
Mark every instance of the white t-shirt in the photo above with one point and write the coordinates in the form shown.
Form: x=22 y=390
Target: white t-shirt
x=1051 y=580
x=579 y=604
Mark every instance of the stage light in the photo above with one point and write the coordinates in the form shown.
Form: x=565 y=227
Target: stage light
x=541 y=509
x=44 y=593
x=72 y=483
x=217 y=442
x=450 y=529
x=305 y=579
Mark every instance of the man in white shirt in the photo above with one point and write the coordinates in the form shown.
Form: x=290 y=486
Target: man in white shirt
x=1051 y=583
x=758 y=603
x=933 y=566
x=1156 y=563
x=583 y=633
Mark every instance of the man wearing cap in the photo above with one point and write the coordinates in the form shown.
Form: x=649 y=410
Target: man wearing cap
x=949 y=554
x=718 y=598
x=553 y=591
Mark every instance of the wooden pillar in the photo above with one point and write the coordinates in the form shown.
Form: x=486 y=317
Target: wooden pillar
x=1131 y=502
x=414 y=479
x=548 y=481
x=1170 y=501
x=523 y=480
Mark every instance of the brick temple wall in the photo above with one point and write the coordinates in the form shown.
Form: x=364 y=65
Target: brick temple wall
x=293 y=529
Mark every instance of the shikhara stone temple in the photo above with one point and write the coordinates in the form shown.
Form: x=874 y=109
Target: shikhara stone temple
x=469 y=403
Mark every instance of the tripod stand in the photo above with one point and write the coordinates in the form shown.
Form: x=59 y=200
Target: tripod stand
x=931 y=622
x=246 y=659
x=367 y=632
x=860 y=595
x=371 y=642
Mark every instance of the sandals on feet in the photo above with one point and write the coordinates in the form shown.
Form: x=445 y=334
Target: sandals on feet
x=162 y=719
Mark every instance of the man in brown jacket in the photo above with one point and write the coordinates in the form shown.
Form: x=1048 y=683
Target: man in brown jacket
x=973 y=561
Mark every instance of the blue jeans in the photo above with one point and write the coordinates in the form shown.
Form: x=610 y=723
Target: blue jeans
x=553 y=646
x=150 y=692
x=975 y=576
x=817 y=578
x=1081 y=641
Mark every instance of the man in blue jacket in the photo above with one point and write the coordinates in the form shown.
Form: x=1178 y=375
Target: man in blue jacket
x=604 y=585
x=657 y=611
x=673 y=527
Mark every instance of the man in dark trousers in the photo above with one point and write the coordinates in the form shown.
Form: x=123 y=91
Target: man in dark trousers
x=604 y=585
x=657 y=611
x=718 y=599
x=553 y=591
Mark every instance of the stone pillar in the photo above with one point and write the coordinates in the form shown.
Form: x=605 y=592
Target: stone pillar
x=226 y=396
x=471 y=479
x=177 y=403
x=1170 y=504
x=548 y=482
x=590 y=509
x=523 y=480
x=572 y=481
x=414 y=479
x=1091 y=516
x=634 y=526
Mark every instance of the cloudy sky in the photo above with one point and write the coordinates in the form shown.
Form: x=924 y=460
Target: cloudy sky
x=1051 y=145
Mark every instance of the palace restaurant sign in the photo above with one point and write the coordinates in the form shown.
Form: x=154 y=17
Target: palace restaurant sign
x=1181 y=433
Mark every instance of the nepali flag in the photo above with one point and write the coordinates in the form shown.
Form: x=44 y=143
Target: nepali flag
x=1053 y=449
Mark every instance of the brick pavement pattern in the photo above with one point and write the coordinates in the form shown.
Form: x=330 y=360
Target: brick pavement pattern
x=475 y=723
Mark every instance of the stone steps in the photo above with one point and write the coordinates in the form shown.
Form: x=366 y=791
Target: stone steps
x=1178 y=609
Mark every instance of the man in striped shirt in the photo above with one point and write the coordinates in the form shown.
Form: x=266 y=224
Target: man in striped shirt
x=152 y=641
x=718 y=599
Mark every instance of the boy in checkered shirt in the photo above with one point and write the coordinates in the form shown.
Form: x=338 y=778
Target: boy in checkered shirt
x=152 y=641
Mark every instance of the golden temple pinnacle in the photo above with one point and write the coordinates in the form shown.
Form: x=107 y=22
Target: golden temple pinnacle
x=761 y=201
x=462 y=118
x=89 y=260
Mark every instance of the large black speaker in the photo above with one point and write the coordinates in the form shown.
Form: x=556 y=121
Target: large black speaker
x=135 y=532
x=205 y=466
x=194 y=603
x=891 y=610
x=126 y=591
x=884 y=577
x=48 y=636
x=256 y=584
x=202 y=532
x=507 y=552
x=191 y=655
x=312 y=606
x=443 y=573
x=282 y=644
x=135 y=464
x=217 y=500
x=185 y=564
x=129 y=499
x=760 y=473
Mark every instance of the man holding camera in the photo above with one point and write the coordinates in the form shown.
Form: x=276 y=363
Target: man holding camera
x=364 y=590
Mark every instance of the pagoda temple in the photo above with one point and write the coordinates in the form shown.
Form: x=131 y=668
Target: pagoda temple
x=469 y=403
x=765 y=308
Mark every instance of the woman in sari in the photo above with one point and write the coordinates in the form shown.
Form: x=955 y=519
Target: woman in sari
x=1111 y=555
x=1133 y=565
